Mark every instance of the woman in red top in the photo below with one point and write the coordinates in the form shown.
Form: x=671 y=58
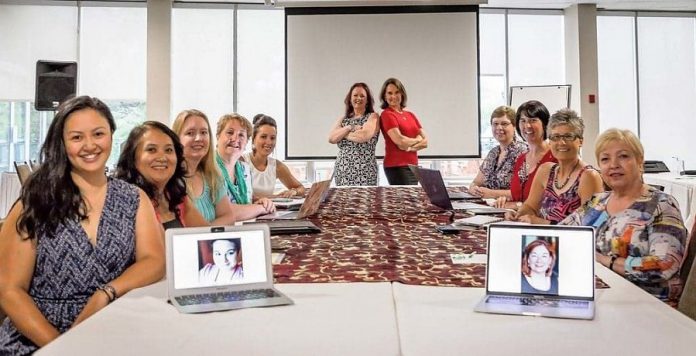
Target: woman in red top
x=532 y=118
x=403 y=134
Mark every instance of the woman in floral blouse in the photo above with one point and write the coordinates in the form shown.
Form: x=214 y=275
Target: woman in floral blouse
x=493 y=178
x=640 y=232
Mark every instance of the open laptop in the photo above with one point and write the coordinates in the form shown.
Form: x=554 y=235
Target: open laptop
x=220 y=268
x=434 y=186
x=316 y=195
x=428 y=180
x=565 y=254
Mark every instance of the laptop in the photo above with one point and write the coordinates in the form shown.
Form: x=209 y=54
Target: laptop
x=427 y=180
x=540 y=270
x=220 y=268
x=288 y=203
x=434 y=186
x=316 y=195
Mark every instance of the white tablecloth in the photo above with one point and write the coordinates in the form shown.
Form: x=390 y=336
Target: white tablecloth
x=682 y=188
x=628 y=321
x=327 y=319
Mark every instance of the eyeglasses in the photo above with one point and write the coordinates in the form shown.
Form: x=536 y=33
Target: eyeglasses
x=503 y=124
x=569 y=137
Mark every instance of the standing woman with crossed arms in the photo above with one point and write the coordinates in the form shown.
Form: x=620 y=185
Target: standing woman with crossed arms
x=403 y=134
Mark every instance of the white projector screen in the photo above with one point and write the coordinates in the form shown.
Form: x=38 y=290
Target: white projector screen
x=433 y=50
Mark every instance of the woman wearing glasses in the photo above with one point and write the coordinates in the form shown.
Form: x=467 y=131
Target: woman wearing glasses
x=532 y=118
x=560 y=188
x=493 y=178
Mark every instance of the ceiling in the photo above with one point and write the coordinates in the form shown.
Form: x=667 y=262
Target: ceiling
x=654 y=5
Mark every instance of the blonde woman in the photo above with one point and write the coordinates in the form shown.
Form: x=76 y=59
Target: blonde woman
x=203 y=180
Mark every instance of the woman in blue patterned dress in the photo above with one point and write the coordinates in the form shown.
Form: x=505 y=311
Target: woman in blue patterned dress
x=356 y=134
x=75 y=240
x=640 y=232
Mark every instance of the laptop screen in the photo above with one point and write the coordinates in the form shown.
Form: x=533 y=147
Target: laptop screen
x=541 y=260
x=218 y=259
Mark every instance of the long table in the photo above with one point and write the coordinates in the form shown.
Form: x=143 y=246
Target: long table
x=682 y=188
x=405 y=297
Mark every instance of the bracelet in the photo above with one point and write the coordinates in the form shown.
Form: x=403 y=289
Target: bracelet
x=110 y=292
x=613 y=259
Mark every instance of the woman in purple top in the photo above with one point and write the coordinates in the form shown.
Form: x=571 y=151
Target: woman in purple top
x=560 y=188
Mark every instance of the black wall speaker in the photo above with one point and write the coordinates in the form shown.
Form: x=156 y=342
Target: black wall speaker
x=55 y=82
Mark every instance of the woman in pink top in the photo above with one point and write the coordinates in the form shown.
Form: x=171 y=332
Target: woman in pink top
x=403 y=134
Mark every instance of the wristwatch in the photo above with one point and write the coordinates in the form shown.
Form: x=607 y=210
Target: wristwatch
x=613 y=259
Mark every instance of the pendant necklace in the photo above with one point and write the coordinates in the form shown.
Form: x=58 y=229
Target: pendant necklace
x=555 y=178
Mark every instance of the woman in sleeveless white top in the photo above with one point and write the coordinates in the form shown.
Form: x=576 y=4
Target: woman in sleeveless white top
x=263 y=142
x=262 y=181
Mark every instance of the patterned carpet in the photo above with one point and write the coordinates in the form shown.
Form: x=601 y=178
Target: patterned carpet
x=381 y=234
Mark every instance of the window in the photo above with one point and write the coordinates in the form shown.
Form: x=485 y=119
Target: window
x=618 y=104
x=113 y=51
x=28 y=34
x=203 y=69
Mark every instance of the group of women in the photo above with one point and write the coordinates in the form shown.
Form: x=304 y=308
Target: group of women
x=640 y=231
x=357 y=131
x=77 y=239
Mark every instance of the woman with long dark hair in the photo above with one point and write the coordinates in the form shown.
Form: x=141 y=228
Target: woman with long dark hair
x=356 y=134
x=75 y=240
x=153 y=159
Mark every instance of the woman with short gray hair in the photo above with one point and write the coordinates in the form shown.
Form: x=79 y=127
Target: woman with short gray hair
x=560 y=188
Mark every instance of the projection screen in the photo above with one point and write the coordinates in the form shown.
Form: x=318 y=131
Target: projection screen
x=433 y=50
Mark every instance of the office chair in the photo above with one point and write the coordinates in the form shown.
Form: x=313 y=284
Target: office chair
x=23 y=171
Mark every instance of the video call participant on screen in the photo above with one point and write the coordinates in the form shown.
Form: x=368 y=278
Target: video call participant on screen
x=75 y=240
x=153 y=159
x=227 y=264
x=640 y=232
x=403 y=134
x=232 y=136
x=356 y=134
x=538 y=261
x=532 y=118
x=493 y=178
x=204 y=183
x=264 y=168
x=560 y=188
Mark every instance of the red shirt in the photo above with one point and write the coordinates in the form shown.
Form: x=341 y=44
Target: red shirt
x=520 y=189
x=409 y=126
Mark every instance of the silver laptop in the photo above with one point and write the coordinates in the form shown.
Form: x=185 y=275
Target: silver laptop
x=316 y=195
x=220 y=268
x=540 y=270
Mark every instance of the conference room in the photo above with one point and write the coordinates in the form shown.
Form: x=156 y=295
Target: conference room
x=379 y=278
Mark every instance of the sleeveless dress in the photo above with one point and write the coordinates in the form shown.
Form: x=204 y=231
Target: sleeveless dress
x=263 y=182
x=555 y=207
x=356 y=163
x=69 y=268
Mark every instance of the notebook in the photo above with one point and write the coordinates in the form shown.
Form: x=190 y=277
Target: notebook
x=430 y=178
x=220 y=268
x=316 y=195
x=540 y=270
x=434 y=187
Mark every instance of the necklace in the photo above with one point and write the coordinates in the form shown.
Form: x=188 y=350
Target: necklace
x=555 y=178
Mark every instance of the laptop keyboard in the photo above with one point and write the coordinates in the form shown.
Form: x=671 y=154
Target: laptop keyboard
x=542 y=302
x=223 y=297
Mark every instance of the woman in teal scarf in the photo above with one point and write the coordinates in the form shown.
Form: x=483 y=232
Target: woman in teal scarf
x=232 y=136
